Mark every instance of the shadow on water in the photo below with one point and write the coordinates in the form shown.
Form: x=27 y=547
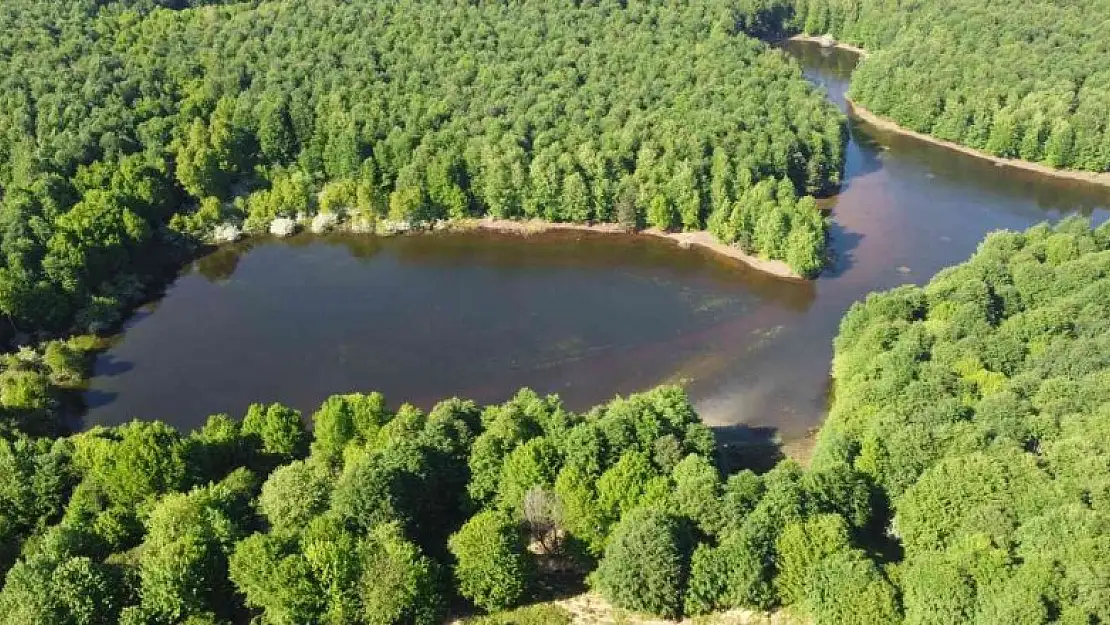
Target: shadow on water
x=142 y=313
x=842 y=242
x=865 y=155
x=96 y=398
x=109 y=366
x=583 y=250
x=742 y=446
x=221 y=263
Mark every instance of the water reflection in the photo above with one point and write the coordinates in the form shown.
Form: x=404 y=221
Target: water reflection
x=425 y=317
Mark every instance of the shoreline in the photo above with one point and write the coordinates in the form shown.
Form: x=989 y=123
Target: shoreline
x=889 y=125
x=829 y=42
x=700 y=238
x=882 y=123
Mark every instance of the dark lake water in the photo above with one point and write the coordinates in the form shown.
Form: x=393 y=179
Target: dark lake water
x=587 y=316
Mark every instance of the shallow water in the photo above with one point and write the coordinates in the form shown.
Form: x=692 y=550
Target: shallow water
x=587 y=316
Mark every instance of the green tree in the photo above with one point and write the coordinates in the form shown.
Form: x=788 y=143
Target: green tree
x=146 y=460
x=398 y=583
x=199 y=166
x=275 y=578
x=492 y=566
x=534 y=463
x=1003 y=139
x=630 y=483
x=800 y=547
x=846 y=587
x=294 y=494
x=278 y=431
x=75 y=590
x=697 y=493
x=576 y=198
x=660 y=213
x=343 y=419
x=1058 y=150
x=183 y=559
x=646 y=564
x=275 y=133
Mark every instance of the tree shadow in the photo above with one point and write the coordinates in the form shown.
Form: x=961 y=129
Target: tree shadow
x=552 y=586
x=742 y=446
x=841 y=244
x=94 y=398
x=109 y=366
x=864 y=153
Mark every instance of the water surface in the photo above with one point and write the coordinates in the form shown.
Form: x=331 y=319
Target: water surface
x=587 y=316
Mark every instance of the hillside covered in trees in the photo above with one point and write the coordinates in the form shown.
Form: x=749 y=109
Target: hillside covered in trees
x=1014 y=78
x=128 y=130
x=962 y=477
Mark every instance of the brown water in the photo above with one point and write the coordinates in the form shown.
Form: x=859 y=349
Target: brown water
x=586 y=316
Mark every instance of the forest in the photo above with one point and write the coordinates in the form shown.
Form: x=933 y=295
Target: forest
x=381 y=516
x=169 y=121
x=978 y=406
x=963 y=476
x=1014 y=78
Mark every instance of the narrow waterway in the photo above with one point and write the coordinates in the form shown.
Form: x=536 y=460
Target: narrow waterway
x=586 y=316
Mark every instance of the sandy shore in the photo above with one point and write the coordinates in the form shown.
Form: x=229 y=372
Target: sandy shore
x=1100 y=178
x=703 y=239
x=590 y=608
x=835 y=44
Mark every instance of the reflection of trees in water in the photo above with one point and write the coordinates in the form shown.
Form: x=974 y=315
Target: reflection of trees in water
x=549 y=250
x=666 y=261
x=835 y=63
x=362 y=246
x=221 y=263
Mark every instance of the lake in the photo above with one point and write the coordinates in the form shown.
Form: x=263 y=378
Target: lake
x=584 y=315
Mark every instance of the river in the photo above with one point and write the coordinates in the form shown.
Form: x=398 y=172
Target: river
x=583 y=315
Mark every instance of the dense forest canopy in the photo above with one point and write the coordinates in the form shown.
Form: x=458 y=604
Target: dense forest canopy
x=963 y=475
x=1015 y=78
x=378 y=516
x=126 y=128
x=979 y=406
